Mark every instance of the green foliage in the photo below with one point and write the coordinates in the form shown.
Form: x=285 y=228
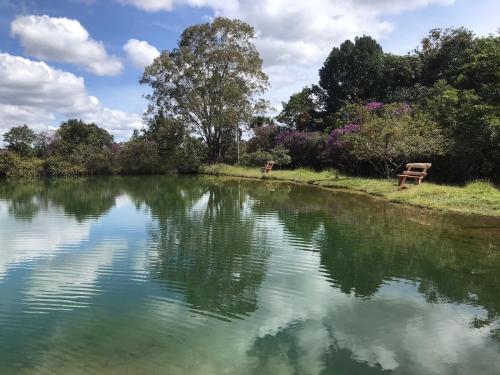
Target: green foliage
x=352 y=72
x=306 y=149
x=444 y=53
x=141 y=157
x=303 y=111
x=189 y=155
x=263 y=138
x=75 y=133
x=389 y=137
x=482 y=72
x=56 y=166
x=43 y=145
x=86 y=145
x=260 y=158
x=472 y=128
x=20 y=139
x=14 y=166
x=480 y=198
x=210 y=81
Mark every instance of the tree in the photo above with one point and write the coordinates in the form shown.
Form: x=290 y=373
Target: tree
x=210 y=82
x=473 y=128
x=74 y=133
x=20 y=139
x=388 y=136
x=86 y=145
x=304 y=110
x=352 y=72
x=444 y=53
x=482 y=72
x=167 y=132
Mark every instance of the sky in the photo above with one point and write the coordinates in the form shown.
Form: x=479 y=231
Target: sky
x=63 y=59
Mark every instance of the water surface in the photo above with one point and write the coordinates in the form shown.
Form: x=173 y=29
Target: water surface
x=200 y=275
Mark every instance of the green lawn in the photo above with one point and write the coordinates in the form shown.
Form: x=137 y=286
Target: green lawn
x=481 y=198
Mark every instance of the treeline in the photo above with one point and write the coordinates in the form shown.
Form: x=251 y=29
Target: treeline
x=369 y=114
x=78 y=149
x=372 y=111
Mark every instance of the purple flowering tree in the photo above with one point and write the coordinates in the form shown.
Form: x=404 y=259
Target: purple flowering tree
x=334 y=140
x=374 y=106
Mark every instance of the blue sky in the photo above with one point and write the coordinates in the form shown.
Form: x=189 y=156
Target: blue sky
x=61 y=59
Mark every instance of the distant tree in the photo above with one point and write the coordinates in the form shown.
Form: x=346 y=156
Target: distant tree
x=43 y=144
x=86 y=145
x=304 y=110
x=482 y=72
x=141 y=156
x=261 y=120
x=167 y=132
x=472 y=127
x=444 y=52
x=399 y=73
x=73 y=134
x=20 y=139
x=210 y=82
x=352 y=72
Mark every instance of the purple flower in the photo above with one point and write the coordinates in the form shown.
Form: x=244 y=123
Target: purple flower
x=334 y=138
x=293 y=137
x=374 y=106
x=403 y=109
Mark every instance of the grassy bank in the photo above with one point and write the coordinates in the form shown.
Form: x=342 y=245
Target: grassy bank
x=480 y=198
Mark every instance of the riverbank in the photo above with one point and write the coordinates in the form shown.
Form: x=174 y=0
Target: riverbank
x=477 y=198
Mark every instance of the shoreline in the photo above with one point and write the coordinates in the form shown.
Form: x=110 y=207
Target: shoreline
x=479 y=199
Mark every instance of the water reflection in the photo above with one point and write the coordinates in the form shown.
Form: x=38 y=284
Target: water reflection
x=205 y=275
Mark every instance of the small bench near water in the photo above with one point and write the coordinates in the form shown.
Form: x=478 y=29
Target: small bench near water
x=416 y=171
x=268 y=167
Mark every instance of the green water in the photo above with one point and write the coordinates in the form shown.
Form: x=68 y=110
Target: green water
x=199 y=275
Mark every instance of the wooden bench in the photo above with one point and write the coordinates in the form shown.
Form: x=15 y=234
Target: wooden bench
x=416 y=171
x=268 y=167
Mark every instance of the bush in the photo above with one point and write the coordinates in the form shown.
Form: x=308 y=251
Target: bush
x=189 y=155
x=59 y=167
x=140 y=157
x=259 y=158
x=12 y=165
x=304 y=148
x=388 y=136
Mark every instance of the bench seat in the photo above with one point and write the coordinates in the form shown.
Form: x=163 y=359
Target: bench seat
x=418 y=176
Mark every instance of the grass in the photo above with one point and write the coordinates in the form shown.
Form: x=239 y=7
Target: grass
x=479 y=197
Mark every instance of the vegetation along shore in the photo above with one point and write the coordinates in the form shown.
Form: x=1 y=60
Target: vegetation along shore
x=370 y=113
x=478 y=197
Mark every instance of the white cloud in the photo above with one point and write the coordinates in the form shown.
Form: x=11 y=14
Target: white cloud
x=300 y=33
x=141 y=53
x=35 y=93
x=64 y=40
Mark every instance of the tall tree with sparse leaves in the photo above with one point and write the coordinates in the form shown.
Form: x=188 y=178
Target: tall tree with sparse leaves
x=211 y=82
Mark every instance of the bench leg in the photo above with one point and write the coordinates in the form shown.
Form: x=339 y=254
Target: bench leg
x=402 y=180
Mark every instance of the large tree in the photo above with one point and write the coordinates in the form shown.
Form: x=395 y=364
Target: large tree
x=211 y=81
x=352 y=72
x=304 y=110
x=20 y=139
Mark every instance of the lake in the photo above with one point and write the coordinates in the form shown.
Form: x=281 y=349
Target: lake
x=207 y=275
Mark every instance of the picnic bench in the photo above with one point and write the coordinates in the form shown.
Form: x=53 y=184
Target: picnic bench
x=268 y=167
x=416 y=171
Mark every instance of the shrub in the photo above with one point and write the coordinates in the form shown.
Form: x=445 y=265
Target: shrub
x=189 y=155
x=59 y=167
x=141 y=157
x=259 y=158
x=304 y=148
x=387 y=137
x=12 y=165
